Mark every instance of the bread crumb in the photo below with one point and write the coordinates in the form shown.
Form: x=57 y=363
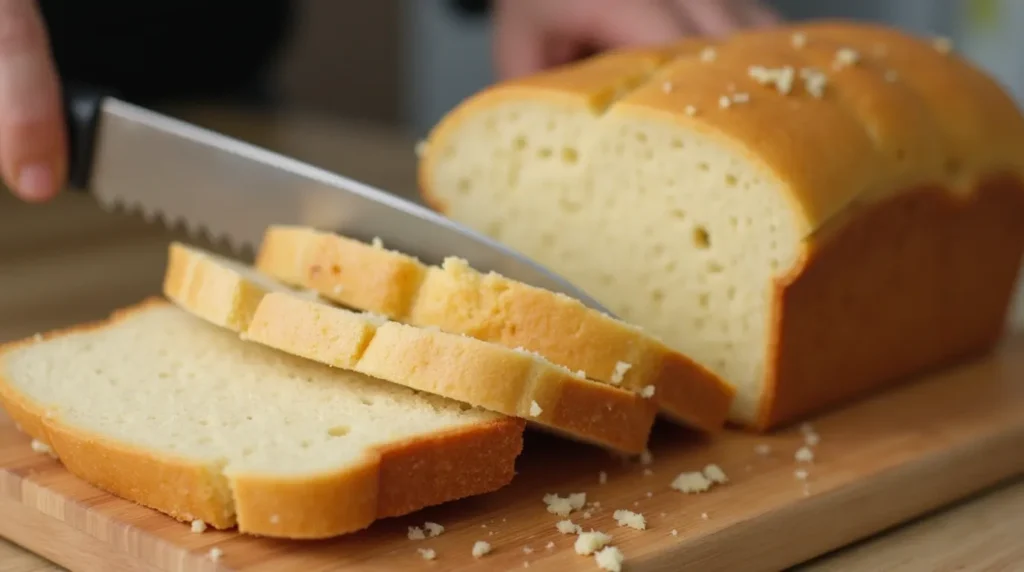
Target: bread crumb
x=708 y=54
x=631 y=519
x=527 y=550
x=216 y=553
x=814 y=81
x=602 y=478
x=704 y=516
x=595 y=504
x=427 y=553
x=198 y=526
x=715 y=474
x=763 y=449
x=804 y=455
x=781 y=78
x=588 y=543
x=799 y=40
x=564 y=506
x=646 y=458
x=433 y=529
x=943 y=45
x=812 y=439
x=648 y=472
x=40 y=447
x=421 y=148
x=567 y=527
x=724 y=102
x=481 y=548
x=619 y=374
x=800 y=474
x=586 y=514
x=581 y=374
x=674 y=532
x=690 y=110
x=691 y=482
x=37 y=338
x=535 y=409
x=609 y=559
x=550 y=545
x=845 y=57
x=647 y=392
x=416 y=533
x=377 y=242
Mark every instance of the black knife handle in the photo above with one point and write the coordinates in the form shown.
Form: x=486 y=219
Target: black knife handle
x=82 y=105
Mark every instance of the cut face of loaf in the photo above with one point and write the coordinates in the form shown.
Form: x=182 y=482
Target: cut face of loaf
x=163 y=409
x=500 y=379
x=810 y=212
x=492 y=308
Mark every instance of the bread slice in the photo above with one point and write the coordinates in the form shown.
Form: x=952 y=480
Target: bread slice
x=490 y=307
x=161 y=408
x=504 y=380
x=811 y=212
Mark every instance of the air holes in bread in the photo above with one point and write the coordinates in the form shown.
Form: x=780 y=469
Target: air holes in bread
x=731 y=180
x=463 y=186
x=519 y=143
x=338 y=431
x=701 y=238
x=570 y=156
x=544 y=152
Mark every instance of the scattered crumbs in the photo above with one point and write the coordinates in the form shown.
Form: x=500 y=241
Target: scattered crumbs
x=724 y=102
x=427 y=553
x=800 y=474
x=620 y=372
x=691 y=482
x=740 y=97
x=646 y=457
x=527 y=550
x=40 y=447
x=535 y=409
x=586 y=514
x=943 y=45
x=416 y=533
x=704 y=516
x=595 y=504
x=274 y=519
x=490 y=533
x=666 y=87
x=636 y=503
x=814 y=81
x=563 y=506
x=781 y=78
x=674 y=532
x=37 y=337
x=690 y=110
x=648 y=472
x=377 y=242
x=845 y=57
x=421 y=148
x=763 y=449
x=216 y=553
x=433 y=529
x=550 y=545
x=631 y=519
x=804 y=455
x=609 y=559
x=812 y=439
x=649 y=494
x=198 y=526
x=647 y=392
x=602 y=478
x=799 y=40
x=708 y=54
x=588 y=543
x=568 y=527
x=891 y=76
x=715 y=474
x=481 y=548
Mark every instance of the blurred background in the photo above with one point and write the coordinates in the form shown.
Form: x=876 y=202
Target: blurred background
x=350 y=86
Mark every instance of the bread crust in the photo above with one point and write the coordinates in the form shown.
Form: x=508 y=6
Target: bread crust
x=394 y=479
x=489 y=307
x=911 y=147
x=457 y=367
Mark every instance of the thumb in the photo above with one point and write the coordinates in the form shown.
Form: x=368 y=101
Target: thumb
x=631 y=23
x=32 y=138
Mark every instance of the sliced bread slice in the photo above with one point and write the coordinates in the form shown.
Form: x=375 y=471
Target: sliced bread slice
x=505 y=380
x=159 y=407
x=490 y=307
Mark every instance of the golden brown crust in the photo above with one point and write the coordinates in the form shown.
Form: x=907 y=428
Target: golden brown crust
x=906 y=174
x=384 y=485
x=492 y=308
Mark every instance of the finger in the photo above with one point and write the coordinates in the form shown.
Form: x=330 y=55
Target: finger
x=518 y=44
x=32 y=138
x=758 y=15
x=712 y=17
x=621 y=23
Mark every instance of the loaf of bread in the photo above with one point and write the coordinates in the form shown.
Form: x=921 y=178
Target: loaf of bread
x=504 y=380
x=811 y=212
x=161 y=408
x=457 y=299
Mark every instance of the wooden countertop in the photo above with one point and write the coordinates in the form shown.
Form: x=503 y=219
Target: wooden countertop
x=108 y=260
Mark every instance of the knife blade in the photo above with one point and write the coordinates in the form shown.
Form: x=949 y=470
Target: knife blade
x=133 y=158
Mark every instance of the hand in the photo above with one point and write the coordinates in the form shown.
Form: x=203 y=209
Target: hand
x=33 y=162
x=531 y=35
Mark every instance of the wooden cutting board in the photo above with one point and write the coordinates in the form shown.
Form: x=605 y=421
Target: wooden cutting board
x=879 y=462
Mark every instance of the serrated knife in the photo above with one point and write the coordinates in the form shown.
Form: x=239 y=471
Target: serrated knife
x=134 y=158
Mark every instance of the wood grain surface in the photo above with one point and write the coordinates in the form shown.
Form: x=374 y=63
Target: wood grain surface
x=879 y=463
